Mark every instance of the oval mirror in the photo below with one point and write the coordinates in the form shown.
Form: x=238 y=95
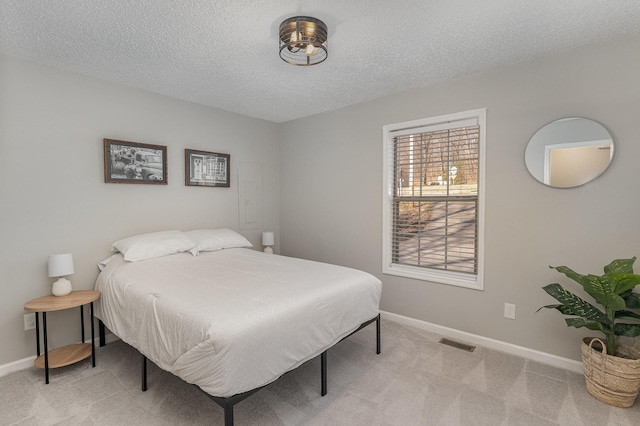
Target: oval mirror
x=569 y=152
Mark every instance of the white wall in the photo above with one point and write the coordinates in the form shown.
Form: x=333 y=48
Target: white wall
x=331 y=191
x=53 y=198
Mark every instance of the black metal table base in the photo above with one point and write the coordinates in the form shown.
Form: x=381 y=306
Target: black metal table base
x=46 y=344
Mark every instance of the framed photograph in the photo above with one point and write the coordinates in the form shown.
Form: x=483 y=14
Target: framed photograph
x=203 y=168
x=134 y=162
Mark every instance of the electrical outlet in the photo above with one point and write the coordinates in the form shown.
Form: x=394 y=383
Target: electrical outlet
x=510 y=311
x=30 y=321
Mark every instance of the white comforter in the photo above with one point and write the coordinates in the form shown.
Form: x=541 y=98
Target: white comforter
x=233 y=320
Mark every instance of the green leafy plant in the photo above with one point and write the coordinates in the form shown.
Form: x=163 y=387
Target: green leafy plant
x=613 y=290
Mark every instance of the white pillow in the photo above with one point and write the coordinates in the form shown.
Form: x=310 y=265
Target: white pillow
x=217 y=239
x=154 y=244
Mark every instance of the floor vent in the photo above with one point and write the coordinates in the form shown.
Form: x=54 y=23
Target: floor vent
x=457 y=345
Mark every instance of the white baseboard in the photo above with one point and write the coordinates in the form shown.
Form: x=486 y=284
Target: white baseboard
x=498 y=345
x=23 y=363
x=531 y=354
x=20 y=364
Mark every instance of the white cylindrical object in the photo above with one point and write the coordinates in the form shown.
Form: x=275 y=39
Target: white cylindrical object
x=60 y=265
x=267 y=238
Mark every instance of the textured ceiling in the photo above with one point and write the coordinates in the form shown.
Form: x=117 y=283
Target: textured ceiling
x=224 y=53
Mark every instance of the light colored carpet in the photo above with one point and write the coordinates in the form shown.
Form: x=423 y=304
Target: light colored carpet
x=415 y=381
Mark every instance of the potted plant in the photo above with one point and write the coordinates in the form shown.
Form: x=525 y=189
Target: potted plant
x=612 y=369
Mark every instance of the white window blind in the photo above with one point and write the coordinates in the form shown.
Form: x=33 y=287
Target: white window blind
x=433 y=201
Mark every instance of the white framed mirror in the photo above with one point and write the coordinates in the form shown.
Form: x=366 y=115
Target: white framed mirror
x=569 y=152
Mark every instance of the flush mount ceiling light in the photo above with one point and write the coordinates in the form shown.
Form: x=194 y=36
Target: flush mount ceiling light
x=303 y=41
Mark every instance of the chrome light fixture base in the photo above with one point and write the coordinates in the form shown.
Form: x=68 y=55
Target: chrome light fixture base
x=303 y=41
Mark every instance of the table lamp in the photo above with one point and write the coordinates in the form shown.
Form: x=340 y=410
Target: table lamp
x=59 y=266
x=267 y=241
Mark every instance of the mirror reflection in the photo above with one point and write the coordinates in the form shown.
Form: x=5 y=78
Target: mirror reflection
x=569 y=152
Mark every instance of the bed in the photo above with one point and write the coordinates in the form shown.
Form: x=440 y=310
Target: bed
x=233 y=320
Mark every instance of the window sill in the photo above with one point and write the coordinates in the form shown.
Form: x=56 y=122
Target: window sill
x=433 y=275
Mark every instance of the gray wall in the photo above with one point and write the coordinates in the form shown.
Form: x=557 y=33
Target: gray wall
x=331 y=191
x=53 y=198
x=322 y=191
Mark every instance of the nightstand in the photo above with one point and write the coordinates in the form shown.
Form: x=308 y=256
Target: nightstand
x=69 y=354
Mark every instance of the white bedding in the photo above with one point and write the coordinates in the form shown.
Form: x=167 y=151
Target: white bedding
x=233 y=320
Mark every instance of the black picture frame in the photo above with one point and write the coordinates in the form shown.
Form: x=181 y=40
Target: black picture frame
x=203 y=168
x=134 y=162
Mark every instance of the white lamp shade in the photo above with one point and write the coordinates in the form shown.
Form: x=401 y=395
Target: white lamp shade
x=60 y=265
x=267 y=239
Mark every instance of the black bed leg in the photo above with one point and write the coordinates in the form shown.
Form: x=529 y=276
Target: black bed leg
x=144 y=373
x=323 y=372
x=378 y=334
x=228 y=415
x=101 y=333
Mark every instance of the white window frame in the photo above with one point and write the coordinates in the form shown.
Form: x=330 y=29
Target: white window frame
x=472 y=281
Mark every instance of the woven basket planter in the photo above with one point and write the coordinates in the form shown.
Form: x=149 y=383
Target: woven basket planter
x=611 y=379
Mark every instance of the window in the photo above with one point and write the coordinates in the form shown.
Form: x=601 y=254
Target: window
x=433 y=200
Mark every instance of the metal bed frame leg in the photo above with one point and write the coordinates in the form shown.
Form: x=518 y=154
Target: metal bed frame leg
x=228 y=414
x=228 y=403
x=323 y=372
x=378 y=334
x=323 y=355
x=144 y=373
x=101 y=333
